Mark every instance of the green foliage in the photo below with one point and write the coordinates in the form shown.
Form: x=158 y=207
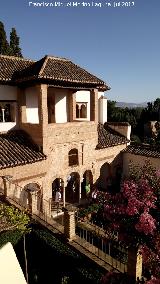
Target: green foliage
x=137 y=117
x=118 y=114
x=14 y=44
x=10 y=236
x=86 y=270
x=12 y=48
x=135 y=139
x=4 y=46
x=54 y=243
x=11 y=219
x=90 y=209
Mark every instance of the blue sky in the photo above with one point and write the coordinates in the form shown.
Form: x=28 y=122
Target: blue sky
x=121 y=45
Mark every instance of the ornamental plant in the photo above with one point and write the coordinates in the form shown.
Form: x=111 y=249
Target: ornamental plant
x=134 y=213
x=13 y=219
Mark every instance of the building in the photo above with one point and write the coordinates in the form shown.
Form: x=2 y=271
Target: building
x=52 y=133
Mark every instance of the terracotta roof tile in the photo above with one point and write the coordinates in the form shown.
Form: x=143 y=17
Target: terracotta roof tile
x=108 y=137
x=143 y=150
x=10 y=64
x=55 y=70
x=16 y=148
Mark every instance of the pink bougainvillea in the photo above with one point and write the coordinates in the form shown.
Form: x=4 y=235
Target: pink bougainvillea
x=132 y=212
x=146 y=224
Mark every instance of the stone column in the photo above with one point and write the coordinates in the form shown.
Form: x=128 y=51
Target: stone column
x=34 y=202
x=7 y=182
x=46 y=208
x=69 y=225
x=134 y=265
x=42 y=105
x=80 y=187
x=94 y=105
x=22 y=117
x=64 y=192
x=72 y=106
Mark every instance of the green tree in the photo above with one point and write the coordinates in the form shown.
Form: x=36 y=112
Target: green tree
x=14 y=44
x=12 y=219
x=4 y=46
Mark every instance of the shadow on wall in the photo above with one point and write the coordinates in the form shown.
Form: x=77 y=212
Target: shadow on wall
x=110 y=175
x=26 y=196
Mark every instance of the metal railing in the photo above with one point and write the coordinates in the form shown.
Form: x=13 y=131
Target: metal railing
x=96 y=240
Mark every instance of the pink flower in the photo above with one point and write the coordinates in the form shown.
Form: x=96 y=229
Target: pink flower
x=146 y=224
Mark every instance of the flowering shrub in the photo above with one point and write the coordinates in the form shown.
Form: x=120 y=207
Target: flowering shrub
x=116 y=278
x=133 y=213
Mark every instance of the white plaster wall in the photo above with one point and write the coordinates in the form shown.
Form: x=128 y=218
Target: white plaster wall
x=102 y=109
x=32 y=105
x=100 y=94
x=61 y=106
x=8 y=92
x=84 y=97
x=10 y=272
x=6 y=126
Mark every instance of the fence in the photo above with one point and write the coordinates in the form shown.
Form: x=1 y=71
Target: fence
x=96 y=240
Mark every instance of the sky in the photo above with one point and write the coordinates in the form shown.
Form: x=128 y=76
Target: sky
x=120 y=45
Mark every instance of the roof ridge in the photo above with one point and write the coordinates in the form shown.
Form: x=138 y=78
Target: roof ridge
x=57 y=58
x=46 y=58
x=43 y=65
x=16 y=57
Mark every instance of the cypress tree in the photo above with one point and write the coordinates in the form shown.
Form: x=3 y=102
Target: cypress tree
x=4 y=46
x=14 y=44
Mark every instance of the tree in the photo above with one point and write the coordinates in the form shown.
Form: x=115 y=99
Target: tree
x=12 y=219
x=14 y=44
x=4 y=46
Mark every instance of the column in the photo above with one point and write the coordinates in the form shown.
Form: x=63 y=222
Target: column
x=42 y=105
x=34 y=202
x=80 y=187
x=102 y=109
x=134 y=265
x=72 y=106
x=64 y=192
x=22 y=118
x=3 y=118
x=7 y=182
x=94 y=105
x=69 y=225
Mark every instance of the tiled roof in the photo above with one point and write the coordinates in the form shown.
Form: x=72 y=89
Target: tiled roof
x=53 y=70
x=108 y=137
x=9 y=65
x=143 y=150
x=16 y=148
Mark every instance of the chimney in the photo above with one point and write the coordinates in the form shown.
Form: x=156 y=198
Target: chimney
x=123 y=128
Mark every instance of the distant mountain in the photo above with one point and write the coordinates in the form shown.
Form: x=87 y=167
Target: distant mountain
x=131 y=105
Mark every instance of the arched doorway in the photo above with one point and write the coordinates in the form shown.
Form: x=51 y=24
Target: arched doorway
x=72 y=188
x=87 y=183
x=105 y=179
x=117 y=178
x=57 y=184
x=26 y=195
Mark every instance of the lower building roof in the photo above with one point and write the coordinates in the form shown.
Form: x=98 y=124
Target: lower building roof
x=143 y=150
x=108 y=137
x=17 y=148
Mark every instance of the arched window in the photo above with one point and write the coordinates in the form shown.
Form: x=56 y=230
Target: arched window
x=73 y=157
x=81 y=110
